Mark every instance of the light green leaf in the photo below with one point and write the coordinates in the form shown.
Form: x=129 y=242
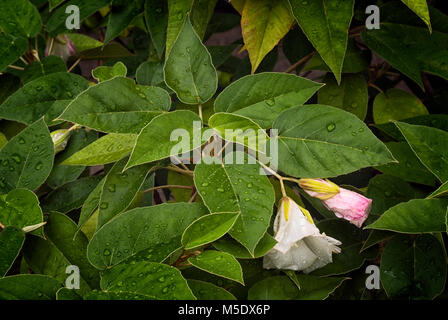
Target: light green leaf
x=19 y=18
x=207 y=229
x=45 y=96
x=440 y=192
x=161 y=129
x=11 y=49
x=262 y=97
x=429 y=145
x=326 y=23
x=20 y=208
x=150 y=233
x=208 y=291
x=414 y=216
x=61 y=249
x=264 y=23
x=28 y=287
x=107 y=149
x=424 y=52
x=120 y=189
x=396 y=104
x=117 y=105
x=420 y=8
x=231 y=187
x=351 y=95
x=189 y=70
x=26 y=160
x=83 y=42
x=104 y=73
x=11 y=242
x=317 y=141
x=409 y=168
x=219 y=263
x=415 y=268
x=148 y=278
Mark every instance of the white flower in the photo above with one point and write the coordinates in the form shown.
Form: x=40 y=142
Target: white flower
x=300 y=246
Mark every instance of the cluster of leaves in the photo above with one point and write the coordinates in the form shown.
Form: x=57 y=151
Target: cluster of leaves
x=139 y=227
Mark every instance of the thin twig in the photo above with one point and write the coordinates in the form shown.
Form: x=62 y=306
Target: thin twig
x=193 y=197
x=74 y=65
x=301 y=61
x=16 y=67
x=200 y=111
x=167 y=187
x=375 y=86
x=24 y=61
x=179 y=170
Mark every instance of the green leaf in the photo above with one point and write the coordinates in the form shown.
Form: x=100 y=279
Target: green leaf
x=62 y=174
x=56 y=23
x=151 y=74
x=112 y=295
x=239 y=129
x=207 y=229
x=104 y=73
x=424 y=52
x=119 y=189
x=156 y=17
x=273 y=288
x=109 y=51
x=161 y=129
x=11 y=242
x=62 y=247
x=188 y=69
x=420 y=8
x=413 y=268
x=71 y=195
x=107 y=149
x=326 y=23
x=117 y=105
x=8 y=84
x=20 y=208
x=19 y=18
x=396 y=104
x=317 y=288
x=219 y=263
x=317 y=141
x=153 y=279
x=208 y=291
x=67 y=294
x=11 y=50
x=414 y=216
x=28 y=287
x=227 y=244
x=264 y=24
x=351 y=95
x=153 y=232
x=37 y=69
x=83 y=42
x=440 y=192
x=121 y=15
x=91 y=204
x=439 y=121
x=262 y=97
x=240 y=188
x=429 y=145
x=45 y=96
x=26 y=160
x=409 y=168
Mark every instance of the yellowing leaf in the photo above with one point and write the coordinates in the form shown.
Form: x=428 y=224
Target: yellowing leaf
x=420 y=8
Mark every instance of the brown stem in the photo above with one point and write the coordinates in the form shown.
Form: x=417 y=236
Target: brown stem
x=301 y=61
x=167 y=187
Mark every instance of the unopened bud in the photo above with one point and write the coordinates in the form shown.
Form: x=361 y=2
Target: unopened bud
x=60 y=139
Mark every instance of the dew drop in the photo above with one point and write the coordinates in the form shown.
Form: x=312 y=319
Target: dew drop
x=106 y=252
x=331 y=127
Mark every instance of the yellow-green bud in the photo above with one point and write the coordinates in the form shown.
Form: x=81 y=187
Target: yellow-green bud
x=60 y=138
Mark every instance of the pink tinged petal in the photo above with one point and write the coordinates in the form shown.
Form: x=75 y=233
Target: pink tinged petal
x=349 y=205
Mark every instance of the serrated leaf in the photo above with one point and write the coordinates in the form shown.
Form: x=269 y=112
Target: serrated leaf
x=149 y=233
x=117 y=105
x=29 y=287
x=318 y=141
x=264 y=24
x=207 y=229
x=188 y=69
x=429 y=145
x=262 y=97
x=413 y=217
x=326 y=23
x=351 y=95
x=46 y=96
x=157 y=280
x=219 y=263
x=396 y=104
x=231 y=187
x=104 y=73
x=19 y=18
x=26 y=160
x=161 y=129
x=107 y=149
x=11 y=242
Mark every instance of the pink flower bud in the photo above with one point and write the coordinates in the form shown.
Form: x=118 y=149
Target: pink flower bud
x=346 y=204
x=62 y=47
